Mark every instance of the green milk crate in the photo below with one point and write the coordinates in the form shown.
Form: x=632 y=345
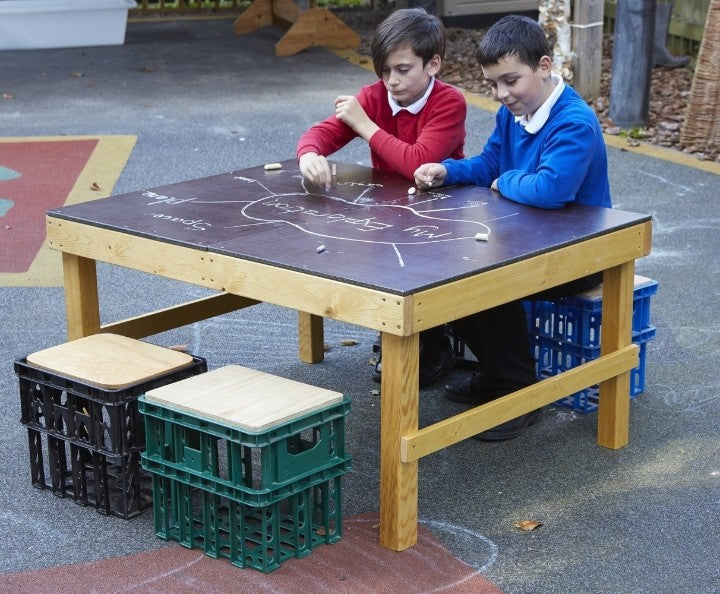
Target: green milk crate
x=246 y=465
x=257 y=537
x=257 y=466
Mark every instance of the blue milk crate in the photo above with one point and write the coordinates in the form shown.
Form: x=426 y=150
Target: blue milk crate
x=555 y=356
x=577 y=319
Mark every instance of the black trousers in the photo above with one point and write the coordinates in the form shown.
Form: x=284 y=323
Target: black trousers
x=500 y=340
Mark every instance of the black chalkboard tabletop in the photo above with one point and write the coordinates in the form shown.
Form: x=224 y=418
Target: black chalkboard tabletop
x=366 y=230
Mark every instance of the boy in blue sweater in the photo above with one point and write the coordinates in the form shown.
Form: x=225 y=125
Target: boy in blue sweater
x=547 y=150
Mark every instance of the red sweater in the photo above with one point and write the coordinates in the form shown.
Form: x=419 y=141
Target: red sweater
x=405 y=141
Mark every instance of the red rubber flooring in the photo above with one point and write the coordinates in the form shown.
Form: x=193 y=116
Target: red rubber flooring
x=34 y=177
x=357 y=563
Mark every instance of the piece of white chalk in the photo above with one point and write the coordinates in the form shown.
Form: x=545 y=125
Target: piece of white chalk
x=411 y=190
x=482 y=236
x=271 y=166
x=320 y=248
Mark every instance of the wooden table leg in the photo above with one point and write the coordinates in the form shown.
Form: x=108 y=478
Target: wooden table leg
x=82 y=307
x=398 y=416
x=310 y=337
x=614 y=403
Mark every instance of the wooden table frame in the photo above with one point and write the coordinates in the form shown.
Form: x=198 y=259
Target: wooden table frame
x=241 y=283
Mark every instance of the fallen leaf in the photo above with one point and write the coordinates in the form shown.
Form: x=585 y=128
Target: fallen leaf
x=348 y=342
x=78 y=74
x=528 y=525
x=95 y=187
x=183 y=348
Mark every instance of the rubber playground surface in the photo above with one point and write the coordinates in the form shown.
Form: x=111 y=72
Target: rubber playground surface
x=187 y=99
x=37 y=174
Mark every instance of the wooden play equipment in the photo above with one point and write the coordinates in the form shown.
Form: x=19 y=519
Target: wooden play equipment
x=314 y=26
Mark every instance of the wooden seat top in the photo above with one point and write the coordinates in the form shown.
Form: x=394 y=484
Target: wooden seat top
x=109 y=360
x=595 y=293
x=244 y=398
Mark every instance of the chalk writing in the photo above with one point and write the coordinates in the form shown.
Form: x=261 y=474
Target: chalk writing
x=364 y=224
x=354 y=211
x=425 y=231
x=352 y=184
x=160 y=199
x=192 y=224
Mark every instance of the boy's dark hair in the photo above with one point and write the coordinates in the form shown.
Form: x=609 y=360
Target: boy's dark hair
x=424 y=33
x=513 y=35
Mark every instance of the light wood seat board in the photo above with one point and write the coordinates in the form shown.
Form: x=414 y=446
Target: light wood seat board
x=596 y=292
x=244 y=398
x=109 y=360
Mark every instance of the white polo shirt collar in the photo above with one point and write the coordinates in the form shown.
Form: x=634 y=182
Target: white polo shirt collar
x=414 y=108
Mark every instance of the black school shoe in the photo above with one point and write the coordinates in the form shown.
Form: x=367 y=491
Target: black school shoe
x=511 y=429
x=473 y=390
x=469 y=390
x=432 y=368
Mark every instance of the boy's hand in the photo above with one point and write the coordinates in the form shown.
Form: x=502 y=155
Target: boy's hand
x=429 y=175
x=316 y=169
x=349 y=110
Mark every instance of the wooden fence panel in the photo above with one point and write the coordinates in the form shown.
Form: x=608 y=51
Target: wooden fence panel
x=686 y=26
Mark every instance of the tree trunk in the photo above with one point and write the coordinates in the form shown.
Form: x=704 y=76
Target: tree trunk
x=633 y=46
x=554 y=18
x=587 y=34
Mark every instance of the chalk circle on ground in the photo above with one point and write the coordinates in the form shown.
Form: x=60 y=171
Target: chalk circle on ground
x=470 y=547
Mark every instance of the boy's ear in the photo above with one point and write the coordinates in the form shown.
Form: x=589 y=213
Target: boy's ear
x=545 y=66
x=433 y=65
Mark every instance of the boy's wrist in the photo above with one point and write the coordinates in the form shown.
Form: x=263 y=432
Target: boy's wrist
x=367 y=129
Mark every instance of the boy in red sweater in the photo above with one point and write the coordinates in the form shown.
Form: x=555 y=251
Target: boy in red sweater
x=408 y=118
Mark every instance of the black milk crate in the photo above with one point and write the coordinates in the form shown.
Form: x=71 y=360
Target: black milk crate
x=255 y=467
x=104 y=420
x=258 y=537
x=115 y=485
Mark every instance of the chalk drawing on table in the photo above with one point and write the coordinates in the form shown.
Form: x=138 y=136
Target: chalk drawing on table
x=360 y=217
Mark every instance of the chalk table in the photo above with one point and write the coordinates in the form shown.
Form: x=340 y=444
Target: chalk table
x=392 y=262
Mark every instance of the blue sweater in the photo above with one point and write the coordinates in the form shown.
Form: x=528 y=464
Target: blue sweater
x=565 y=161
